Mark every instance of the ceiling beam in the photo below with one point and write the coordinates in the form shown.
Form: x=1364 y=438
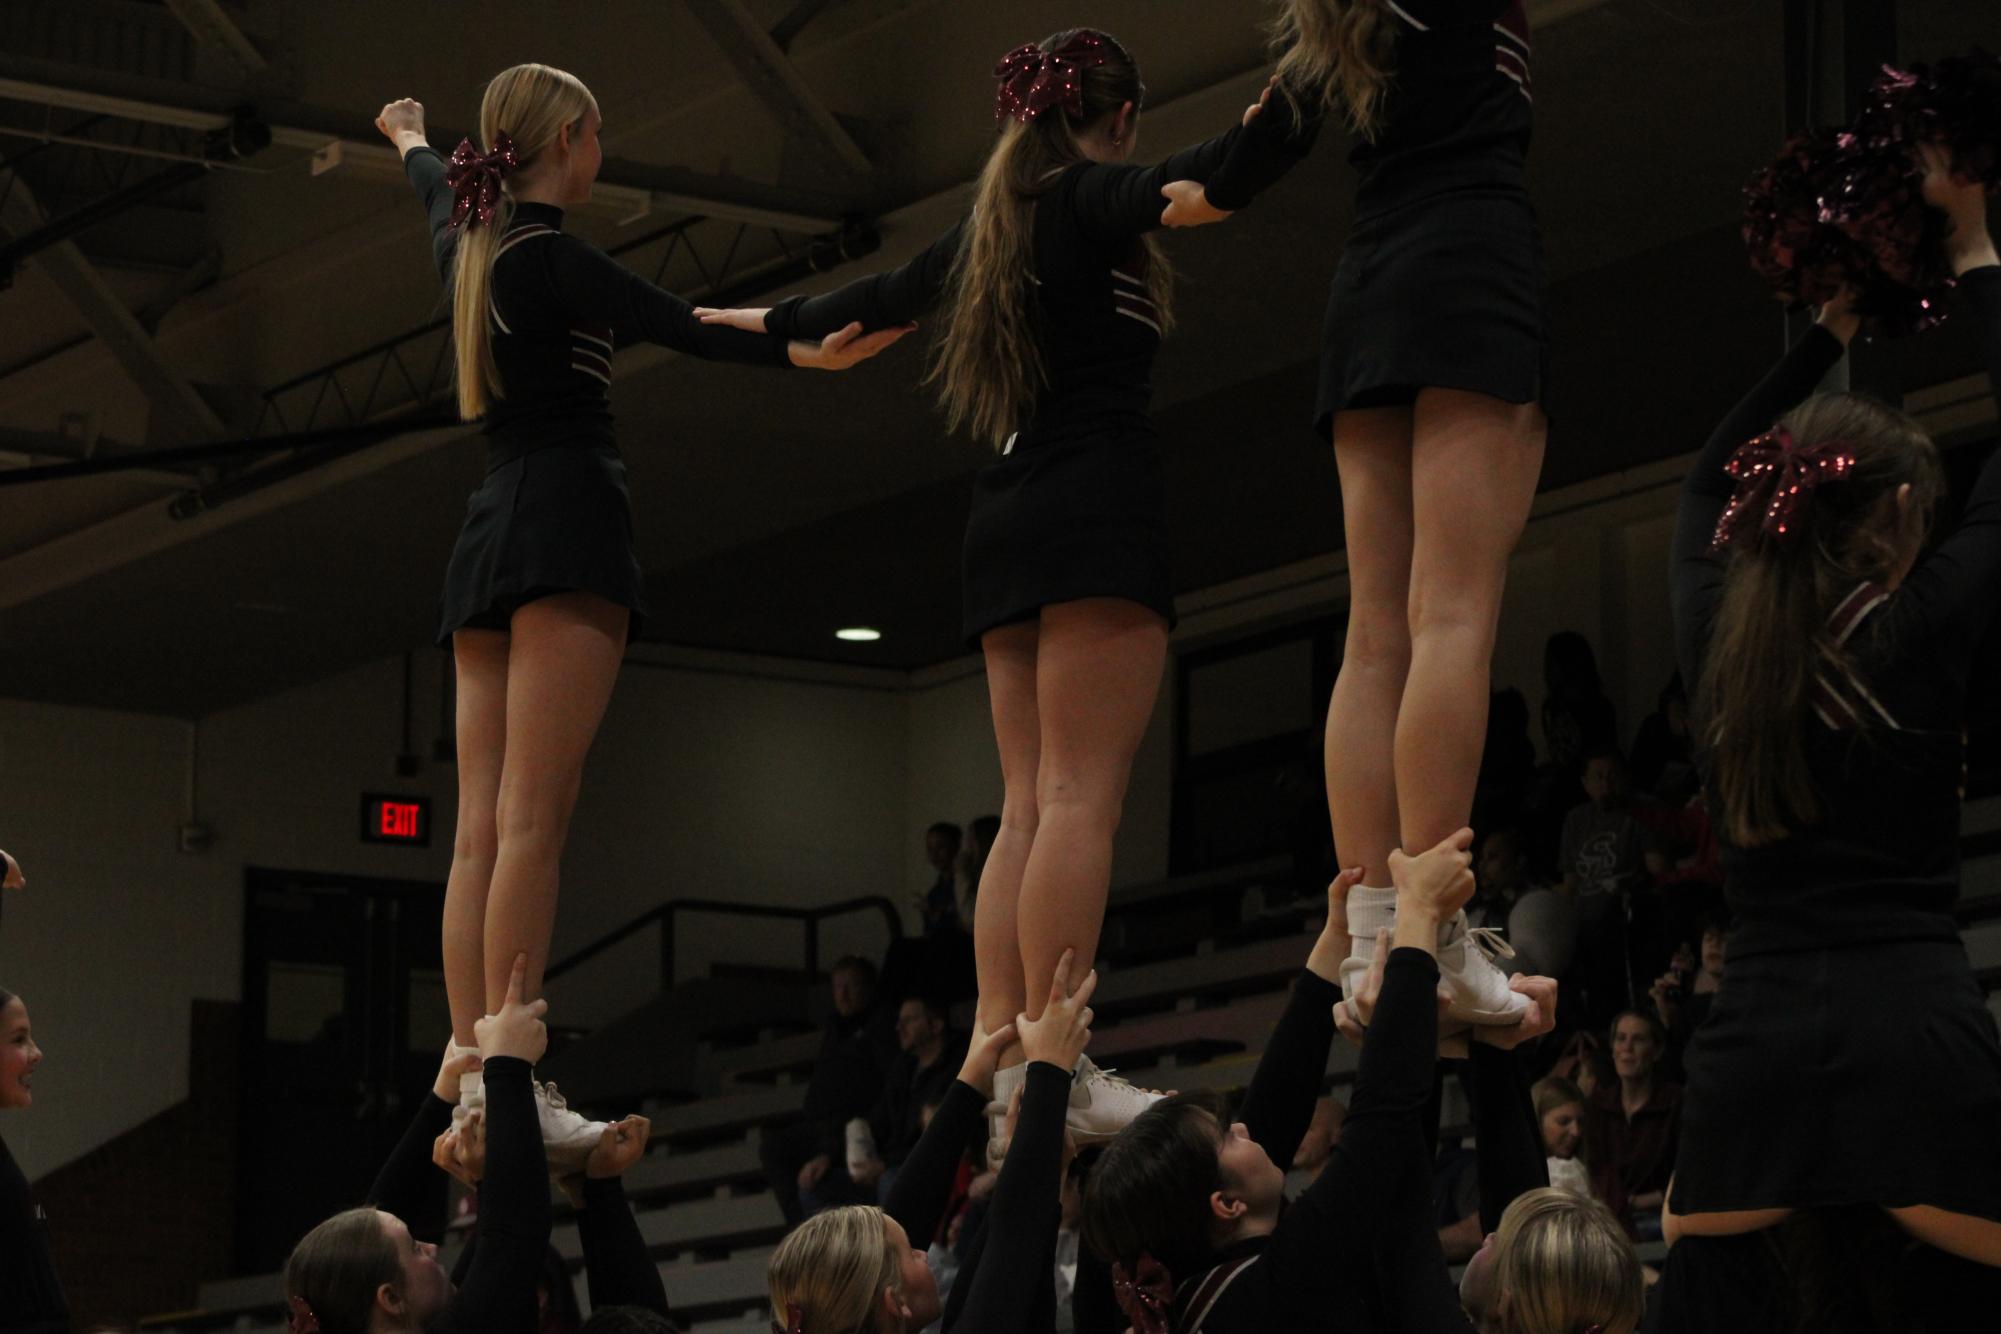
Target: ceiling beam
x=209 y=23
x=803 y=13
x=778 y=83
x=179 y=413
x=631 y=188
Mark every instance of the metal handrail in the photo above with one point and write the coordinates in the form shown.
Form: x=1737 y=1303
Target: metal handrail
x=666 y=912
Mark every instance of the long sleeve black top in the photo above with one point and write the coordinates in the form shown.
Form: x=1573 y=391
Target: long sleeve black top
x=1097 y=327
x=31 y=1300
x=1370 y=1205
x=615 y=1261
x=560 y=308
x=1007 y=1283
x=897 y=1120
x=1882 y=861
x=497 y=1294
x=847 y=1077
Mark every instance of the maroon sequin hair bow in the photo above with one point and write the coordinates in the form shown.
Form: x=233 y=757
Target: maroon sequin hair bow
x=475 y=179
x=795 y=1320
x=1777 y=477
x=1144 y=1293
x=1033 y=80
x=299 y=1317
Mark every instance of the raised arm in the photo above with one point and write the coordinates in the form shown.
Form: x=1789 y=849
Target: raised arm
x=407 y=1178
x=880 y=301
x=615 y=1259
x=402 y=124
x=498 y=1294
x=1954 y=593
x=1013 y=1282
x=1279 y=1104
x=1696 y=576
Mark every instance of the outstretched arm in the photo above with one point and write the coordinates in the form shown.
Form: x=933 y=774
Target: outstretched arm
x=406 y=1179
x=1278 y=1106
x=887 y=300
x=1280 y=132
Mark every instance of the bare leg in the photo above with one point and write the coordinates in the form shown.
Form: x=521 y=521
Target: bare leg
x=1475 y=462
x=1372 y=447
x=480 y=668
x=1098 y=666
x=1010 y=653
x=1969 y=1238
x=561 y=665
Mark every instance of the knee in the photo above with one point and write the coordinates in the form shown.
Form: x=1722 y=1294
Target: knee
x=1019 y=815
x=1097 y=798
x=1441 y=608
x=528 y=818
x=1377 y=642
x=476 y=840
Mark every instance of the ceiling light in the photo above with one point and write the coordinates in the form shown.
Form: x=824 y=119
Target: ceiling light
x=858 y=634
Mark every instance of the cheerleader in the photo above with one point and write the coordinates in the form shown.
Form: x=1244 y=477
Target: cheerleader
x=542 y=590
x=1432 y=375
x=1851 y=1059
x=1056 y=296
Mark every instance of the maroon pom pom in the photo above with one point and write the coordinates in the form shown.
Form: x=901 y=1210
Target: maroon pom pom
x=1795 y=246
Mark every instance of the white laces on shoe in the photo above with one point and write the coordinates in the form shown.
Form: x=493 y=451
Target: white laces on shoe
x=1092 y=1073
x=1491 y=942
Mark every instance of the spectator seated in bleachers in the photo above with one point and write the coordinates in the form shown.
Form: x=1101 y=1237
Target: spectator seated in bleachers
x=930 y=1052
x=1663 y=763
x=1557 y=1264
x=806 y=1162
x=31 y=1299
x=1631 y=1125
x=1559 y=1110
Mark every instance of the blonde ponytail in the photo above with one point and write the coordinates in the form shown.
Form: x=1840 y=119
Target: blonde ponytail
x=531 y=103
x=833 y=1269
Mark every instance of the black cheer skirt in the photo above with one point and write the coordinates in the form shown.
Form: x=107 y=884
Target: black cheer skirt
x=551 y=520
x=1865 y=1075
x=1444 y=293
x=1058 y=518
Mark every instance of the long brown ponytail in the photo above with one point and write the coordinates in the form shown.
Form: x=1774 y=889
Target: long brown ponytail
x=1341 y=52
x=989 y=366
x=1770 y=640
x=530 y=103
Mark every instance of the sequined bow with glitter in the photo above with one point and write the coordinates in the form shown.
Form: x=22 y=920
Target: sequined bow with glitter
x=1778 y=477
x=1144 y=1294
x=1033 y=80
x=475 y=179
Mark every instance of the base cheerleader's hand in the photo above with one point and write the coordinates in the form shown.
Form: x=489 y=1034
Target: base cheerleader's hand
x=1538 y=1019
x=1334 y=945
x=983 y=1055
x=1064 y=1030
x=10 y=873
x=1188 y=205
x=402 y=124
x=845 y=348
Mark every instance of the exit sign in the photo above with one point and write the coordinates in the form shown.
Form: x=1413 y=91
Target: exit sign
x=387 y=819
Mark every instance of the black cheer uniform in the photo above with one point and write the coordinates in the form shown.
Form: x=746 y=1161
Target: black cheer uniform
x=553 y=514
x=31 y=1300
x=1850 y=1057
x=1441 y=284
x=1075 y=507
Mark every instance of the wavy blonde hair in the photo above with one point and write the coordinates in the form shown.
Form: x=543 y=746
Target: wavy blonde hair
x=531 y=103
x=1563 y=1264
x=834 y=1267
x=1340 y=52
x=989 y=365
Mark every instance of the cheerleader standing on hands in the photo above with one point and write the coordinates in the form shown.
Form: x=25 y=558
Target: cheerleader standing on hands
x=1056 y=299
x=543 y=589
x=1431 y=378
